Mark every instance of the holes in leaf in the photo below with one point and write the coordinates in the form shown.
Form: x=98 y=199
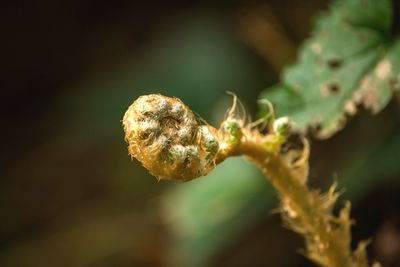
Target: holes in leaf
x=315 y=128
x=334 y=88
x=334 y=64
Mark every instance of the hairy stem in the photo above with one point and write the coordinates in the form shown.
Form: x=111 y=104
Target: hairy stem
x=306 y=216
x=298 y=194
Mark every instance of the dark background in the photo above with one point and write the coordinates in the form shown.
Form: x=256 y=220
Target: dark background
x=70 y=195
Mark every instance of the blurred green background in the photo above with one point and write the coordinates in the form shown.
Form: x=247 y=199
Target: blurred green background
x=71 y=195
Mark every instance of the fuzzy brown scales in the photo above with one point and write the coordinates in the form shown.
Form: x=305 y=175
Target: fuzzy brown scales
x=168 y=138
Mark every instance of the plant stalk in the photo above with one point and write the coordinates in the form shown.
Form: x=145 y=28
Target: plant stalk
x=298 y=194
x=324 y=247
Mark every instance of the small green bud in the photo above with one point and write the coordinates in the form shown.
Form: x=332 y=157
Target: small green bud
x=281 y=126
x=232 y=127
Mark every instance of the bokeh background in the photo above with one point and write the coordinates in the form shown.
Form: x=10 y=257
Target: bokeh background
x=70 y=194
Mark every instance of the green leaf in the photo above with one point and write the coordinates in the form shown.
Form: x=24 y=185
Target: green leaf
x=350 y=60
